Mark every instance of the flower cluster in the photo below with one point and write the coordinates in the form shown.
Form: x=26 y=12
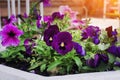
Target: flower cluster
x=61 y=41
x=59 y=44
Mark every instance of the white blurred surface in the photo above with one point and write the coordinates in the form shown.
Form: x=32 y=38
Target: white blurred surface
x=7 y=73
x=103 y=23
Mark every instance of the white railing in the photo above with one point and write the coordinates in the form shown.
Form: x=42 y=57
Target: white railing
x=12 y=9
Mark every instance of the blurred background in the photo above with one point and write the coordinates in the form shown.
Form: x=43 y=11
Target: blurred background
x=89 y=8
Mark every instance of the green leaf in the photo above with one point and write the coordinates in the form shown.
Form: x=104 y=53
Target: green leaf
x=118 y=59
x=53 y=65
x=103 y=46
x=34 y=66
x=78 y=61
x=5 y=54
x=116 y=68
x=69 y=68
x=111 y=58
x=42 y=67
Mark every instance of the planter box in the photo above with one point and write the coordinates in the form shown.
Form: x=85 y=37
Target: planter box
x=8 y=73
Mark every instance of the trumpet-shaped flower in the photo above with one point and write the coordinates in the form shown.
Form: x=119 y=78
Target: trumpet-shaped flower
x=62 y=43
x=50 y=33
x=68 y=11
x=10 y=34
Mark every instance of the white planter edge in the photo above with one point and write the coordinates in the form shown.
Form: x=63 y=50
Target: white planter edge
x=8 y=73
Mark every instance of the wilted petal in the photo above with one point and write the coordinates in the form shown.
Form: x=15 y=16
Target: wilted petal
x=109 y=31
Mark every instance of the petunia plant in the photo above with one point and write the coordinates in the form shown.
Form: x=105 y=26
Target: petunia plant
x=59 y=44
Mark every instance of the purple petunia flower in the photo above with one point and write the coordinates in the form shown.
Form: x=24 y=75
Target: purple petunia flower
x=29 y=44
x=10 y=34
x=62 y=43
x=79 y=49
x=50 y=33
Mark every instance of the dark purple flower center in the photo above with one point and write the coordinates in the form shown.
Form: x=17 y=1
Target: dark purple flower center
x=11 y=34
